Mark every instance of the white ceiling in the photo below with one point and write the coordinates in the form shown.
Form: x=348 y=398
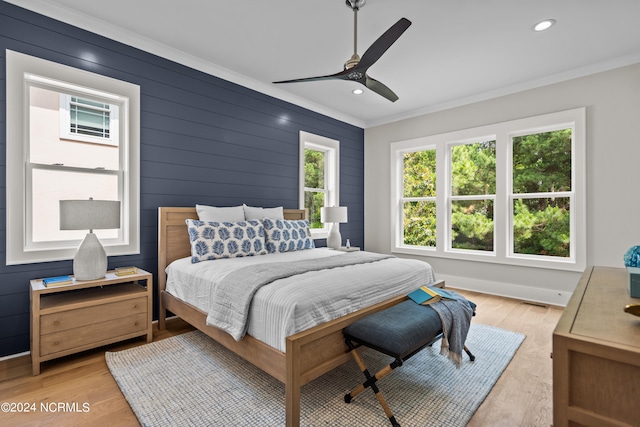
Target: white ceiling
x=455 y=52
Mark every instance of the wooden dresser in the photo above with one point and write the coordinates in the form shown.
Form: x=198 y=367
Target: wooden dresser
x=596 y=354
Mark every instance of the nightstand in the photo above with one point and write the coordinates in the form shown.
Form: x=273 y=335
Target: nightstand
x=86 y=314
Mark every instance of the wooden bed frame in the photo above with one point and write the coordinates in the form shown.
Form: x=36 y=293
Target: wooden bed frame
x=309 y=354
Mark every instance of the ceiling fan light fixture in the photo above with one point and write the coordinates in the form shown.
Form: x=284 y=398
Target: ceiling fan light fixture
x=357 y=91
x=355 y=4
x=544 y=25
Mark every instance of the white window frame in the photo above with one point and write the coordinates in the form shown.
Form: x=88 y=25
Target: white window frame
x=24 y=71
x=503 y=211
x=65 y=122
x=331 y=174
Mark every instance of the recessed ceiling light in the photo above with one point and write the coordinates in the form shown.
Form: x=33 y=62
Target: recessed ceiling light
x=357 y=91
x=544 y=25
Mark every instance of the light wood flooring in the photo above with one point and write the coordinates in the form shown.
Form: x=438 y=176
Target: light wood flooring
x=521 y=397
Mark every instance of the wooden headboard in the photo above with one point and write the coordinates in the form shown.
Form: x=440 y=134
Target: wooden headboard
x=173 y=239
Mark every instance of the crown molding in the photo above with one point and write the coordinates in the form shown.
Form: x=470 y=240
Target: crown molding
x=509 y=90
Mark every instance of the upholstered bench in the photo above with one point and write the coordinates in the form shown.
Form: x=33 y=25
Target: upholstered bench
x=399 y=331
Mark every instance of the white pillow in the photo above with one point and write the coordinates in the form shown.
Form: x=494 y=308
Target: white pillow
x=251 y=212
x=212 y=213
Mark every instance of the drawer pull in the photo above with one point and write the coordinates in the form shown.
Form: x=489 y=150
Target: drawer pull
x=56 y=323
x=135 y=306
x=56 y=342
x=136 y=324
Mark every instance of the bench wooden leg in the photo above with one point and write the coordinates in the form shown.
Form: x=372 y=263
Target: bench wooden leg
x=371 y=382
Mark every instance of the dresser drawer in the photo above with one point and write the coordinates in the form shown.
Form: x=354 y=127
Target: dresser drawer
x=96 y=333
x=71 y=319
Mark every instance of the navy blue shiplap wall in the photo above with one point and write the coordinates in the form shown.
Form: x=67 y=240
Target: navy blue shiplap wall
x=203 y=140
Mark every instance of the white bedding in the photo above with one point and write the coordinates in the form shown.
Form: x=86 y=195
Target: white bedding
x=287 y=306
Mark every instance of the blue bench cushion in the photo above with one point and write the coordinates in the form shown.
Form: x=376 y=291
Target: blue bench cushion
x=397 y=331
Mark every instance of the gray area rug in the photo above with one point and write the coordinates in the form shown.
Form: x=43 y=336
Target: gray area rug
x=190 y=380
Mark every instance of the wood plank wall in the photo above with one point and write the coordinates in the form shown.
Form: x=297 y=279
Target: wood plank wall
x=203 y=140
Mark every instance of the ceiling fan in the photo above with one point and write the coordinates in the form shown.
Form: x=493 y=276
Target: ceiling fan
x=355 y=68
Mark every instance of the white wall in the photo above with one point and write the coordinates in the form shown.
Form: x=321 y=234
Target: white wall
x=612 y=100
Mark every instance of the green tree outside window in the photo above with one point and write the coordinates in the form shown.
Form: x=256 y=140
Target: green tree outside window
x=314 y=182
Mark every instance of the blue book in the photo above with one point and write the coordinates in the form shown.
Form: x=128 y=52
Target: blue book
x=57 y=281
x=428 y=295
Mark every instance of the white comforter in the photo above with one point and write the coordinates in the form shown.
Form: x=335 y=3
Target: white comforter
x=287 y=306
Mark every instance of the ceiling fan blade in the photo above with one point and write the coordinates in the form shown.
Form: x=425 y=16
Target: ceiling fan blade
x=356 y=68
x=339 y=75
x=380 y=89
x=384 y=42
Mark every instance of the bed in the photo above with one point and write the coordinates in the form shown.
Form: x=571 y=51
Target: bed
x=302 y=357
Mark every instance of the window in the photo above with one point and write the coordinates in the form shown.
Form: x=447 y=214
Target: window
x=83 y=119
x=419 y=198
x=315 y=186
x=73 y=141
x=511 y=193
x=319 y=177
x=541 y=196
x=472 y=195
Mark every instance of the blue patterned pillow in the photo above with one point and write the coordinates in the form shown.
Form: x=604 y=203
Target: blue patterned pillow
x=287 y=235
x=214 y=240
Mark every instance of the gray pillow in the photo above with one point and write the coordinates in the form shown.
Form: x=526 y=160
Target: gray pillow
x=251 y=212
x=216 y=214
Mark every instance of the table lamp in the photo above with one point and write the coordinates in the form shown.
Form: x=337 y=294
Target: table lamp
x=334 y=215
x=90 y=260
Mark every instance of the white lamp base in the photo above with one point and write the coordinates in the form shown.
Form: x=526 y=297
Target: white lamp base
x=90 y=261
x=334 y=240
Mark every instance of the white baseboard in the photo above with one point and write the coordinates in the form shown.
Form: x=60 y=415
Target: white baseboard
x=509 y=290
x=13 y=356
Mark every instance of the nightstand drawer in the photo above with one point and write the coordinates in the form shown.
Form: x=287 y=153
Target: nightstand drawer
x=70 y=319
x=92 y=334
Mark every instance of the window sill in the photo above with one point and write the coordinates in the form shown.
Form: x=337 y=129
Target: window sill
x=320 y=234
x=476 y=256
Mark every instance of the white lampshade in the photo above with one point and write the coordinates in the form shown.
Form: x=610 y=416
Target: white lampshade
x=90 y=260
x=89 y=214
x=333 y=214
